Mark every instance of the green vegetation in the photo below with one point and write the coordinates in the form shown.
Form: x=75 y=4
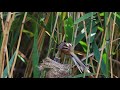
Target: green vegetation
x=26 y=38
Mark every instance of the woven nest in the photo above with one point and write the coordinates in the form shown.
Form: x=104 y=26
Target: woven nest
x=56 y=70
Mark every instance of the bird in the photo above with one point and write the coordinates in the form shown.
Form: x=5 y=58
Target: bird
x=67 y=49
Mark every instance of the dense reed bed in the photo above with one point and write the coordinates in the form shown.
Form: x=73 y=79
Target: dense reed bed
x=27 y=38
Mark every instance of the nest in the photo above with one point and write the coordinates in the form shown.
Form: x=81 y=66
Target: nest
x=56 y=70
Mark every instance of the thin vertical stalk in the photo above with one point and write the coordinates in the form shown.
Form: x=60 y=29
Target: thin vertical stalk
x=107 y=44
x=75 y=31
x=52 y=35
x=91 y=62
x=84 y=24
x=86 y=36
x=7 y=60
x=103 y=45
x=98 y=14
x=88 y=48
x=111 y=45
x=6 y=30
x=43 y=31
x=1 y=17
x=29 y=69
x=18 y=45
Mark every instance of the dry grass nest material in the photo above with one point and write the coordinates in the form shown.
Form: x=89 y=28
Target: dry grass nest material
x=56 y=70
